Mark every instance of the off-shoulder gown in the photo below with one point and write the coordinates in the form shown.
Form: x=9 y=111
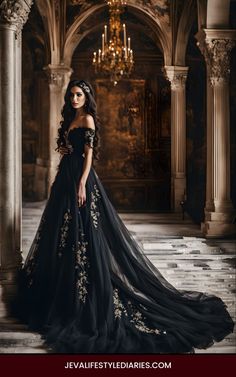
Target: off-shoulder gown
x=87 y=286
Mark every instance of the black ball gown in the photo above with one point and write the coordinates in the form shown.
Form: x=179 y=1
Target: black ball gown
x=87 y=286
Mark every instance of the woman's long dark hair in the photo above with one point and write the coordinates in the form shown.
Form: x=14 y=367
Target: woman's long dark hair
x=68 y=114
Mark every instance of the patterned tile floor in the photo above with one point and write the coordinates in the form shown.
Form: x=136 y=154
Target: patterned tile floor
x=176 y=247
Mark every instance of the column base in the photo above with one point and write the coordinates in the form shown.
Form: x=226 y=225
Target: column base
x=8 y=291
x=219 y=224
x=178 y=193
x=220 y=217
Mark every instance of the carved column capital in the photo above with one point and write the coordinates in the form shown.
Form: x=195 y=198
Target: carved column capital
x=58 y=76
x=177 y=76
x=217 y=56
x=215 y=46
x=15 y=13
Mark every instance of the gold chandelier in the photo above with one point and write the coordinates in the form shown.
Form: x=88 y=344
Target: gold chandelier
x=115 y=58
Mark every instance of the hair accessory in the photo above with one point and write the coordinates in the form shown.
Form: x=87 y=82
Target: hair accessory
x=85 y=87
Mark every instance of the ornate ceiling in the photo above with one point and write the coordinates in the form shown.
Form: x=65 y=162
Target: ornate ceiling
x=69 y=23
x=157 y=8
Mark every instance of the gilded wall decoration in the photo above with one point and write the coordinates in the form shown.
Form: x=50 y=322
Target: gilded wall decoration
x=123 y=137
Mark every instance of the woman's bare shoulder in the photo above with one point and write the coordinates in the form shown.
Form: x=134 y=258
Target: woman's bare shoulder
x=89 y=122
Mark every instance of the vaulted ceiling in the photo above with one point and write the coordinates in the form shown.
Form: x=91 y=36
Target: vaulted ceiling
x=164 y=26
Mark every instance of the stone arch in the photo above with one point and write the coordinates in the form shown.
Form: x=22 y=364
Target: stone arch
x=187 y=18
x=47 y=10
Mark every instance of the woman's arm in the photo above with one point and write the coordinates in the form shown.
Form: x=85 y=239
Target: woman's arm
x=88 y=153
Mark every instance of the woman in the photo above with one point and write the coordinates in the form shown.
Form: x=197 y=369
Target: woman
x=86 y=284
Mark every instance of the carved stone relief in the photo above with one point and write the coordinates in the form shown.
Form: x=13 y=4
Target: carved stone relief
x=217 y=56
x=15 y=13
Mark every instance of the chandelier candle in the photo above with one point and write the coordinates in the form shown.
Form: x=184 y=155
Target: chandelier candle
x=105 y=33
x=103 y=44
x=124 y=29
x=94 y=57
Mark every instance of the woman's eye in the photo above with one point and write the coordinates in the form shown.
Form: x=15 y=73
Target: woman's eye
x=77 y=94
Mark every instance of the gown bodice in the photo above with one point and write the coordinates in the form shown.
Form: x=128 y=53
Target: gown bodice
x=70 y=167
x=78 y=137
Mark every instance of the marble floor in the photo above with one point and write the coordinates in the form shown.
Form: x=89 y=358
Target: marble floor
x=175 y=246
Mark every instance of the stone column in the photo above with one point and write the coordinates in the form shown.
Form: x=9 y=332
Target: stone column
x=41 y=166
x=177 y=77
x=58 y=76
x=219 y=212
x=13 y=15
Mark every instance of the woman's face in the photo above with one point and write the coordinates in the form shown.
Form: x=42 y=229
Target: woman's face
x=77 y=97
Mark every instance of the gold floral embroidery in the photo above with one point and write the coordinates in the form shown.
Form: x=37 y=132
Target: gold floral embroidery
x=95 y=195
x=89 y=137
x=81 y=257
x=81 y=266
x=118 y=306
x=138 y=321
x=64 y=231
x=81 y=286
x=135 y=316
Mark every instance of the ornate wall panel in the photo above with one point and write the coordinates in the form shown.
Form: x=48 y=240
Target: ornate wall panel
x=129 y=151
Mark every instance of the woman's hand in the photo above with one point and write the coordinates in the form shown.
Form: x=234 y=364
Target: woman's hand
x=81 y=195
x=65 y=150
